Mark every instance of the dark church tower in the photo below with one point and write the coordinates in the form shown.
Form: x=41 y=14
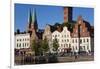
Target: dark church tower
x=35 y=21
x=32 y=27
x=67 y=14
x=32 y=22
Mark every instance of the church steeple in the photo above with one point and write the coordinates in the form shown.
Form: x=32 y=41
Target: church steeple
x=32 y=25
x=30 y=18
x=32 y=21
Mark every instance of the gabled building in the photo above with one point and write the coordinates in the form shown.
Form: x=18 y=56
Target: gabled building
x=47 y=34
x=64 y=39
x=81 y=37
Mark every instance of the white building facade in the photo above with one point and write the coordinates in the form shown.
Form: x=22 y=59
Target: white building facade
x=81 y=39
x=64 y=39
x=22 y=41
x=66 y=42
x=48 y=35
x=83 y=45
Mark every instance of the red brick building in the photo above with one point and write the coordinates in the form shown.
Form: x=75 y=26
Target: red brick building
x=67 y=14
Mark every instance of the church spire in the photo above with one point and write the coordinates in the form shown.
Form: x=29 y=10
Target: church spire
x=30 y=18
x=34 y=20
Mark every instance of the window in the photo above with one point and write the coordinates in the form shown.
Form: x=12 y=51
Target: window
x=69 y=45
x=17 y=39
x=27 y=44
x=20 y=45
x=76 y=47
x=66 y=45
x=58 y=35
x=80 y=40
x=80 y=48
x=87 y=40
x=84 y=40
x=23 y=44
x=67 y=40
x=76 y=40
x=17 y=44
x=20 y=39
x=62 y=40
x=65 y=36
x=73 y=40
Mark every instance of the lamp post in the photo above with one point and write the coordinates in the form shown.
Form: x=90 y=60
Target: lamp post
x=79 y=37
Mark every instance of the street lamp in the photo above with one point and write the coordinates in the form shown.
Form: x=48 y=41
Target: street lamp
x=79 y=36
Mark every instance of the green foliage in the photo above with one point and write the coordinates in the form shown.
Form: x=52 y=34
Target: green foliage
x=55 y=44
x=44 y=45
x=69 y=25
x=33 y=45
x=35 y=48
x=40 y=47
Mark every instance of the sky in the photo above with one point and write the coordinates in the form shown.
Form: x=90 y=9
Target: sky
x=47 y=14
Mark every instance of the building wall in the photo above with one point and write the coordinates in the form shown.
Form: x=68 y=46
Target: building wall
x=63 y=38
x=48 y=35
x=85 y=44
x=22 y=41
x=81 y=32
x=67 y=14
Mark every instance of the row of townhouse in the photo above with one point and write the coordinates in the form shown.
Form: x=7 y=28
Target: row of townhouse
x=66 y=41
x=78 y=40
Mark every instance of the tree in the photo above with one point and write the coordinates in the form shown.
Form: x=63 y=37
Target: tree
x=44 y=46
x=55 y=45
x=69 y=25
x=35 y=47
